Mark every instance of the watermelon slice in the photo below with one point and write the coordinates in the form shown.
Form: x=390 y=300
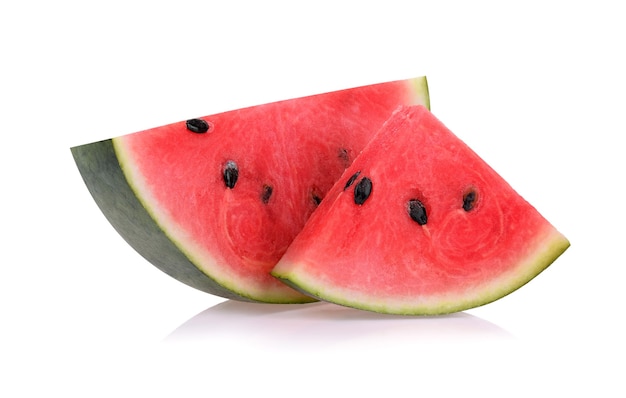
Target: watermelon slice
x=215 y=201
x=419 y=224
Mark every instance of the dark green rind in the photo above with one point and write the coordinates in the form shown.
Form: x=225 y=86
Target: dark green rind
x=101 y=171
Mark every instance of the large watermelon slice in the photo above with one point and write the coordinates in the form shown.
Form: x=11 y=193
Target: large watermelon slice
x=215 y=201
x=419 y=224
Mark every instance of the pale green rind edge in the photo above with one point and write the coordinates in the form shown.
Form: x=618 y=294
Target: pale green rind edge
x=100 y=169
x=420 y=87
x=526 y=272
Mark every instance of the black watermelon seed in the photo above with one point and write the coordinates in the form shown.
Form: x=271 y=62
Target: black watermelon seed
x=417 y=211
x=351 y=180
x=469 y=199
x=197 y=126
x=231 y=174
x=362 y=190
x=316 y=199
x=267 y=193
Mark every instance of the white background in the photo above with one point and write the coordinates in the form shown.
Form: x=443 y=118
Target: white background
x=536 y=88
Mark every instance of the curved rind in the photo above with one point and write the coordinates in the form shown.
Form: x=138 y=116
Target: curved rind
x=495 y=291
x=101 y=171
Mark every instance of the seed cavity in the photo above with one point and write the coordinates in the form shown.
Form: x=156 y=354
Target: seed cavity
x=469 y=200
x=417 y=211
x=351 y=180
x=344 y=156
x=197 y=126
x=231 y=174
x=267 y=193
x=362 y=190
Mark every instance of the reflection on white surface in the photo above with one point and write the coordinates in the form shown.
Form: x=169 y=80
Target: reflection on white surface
x=324 y=324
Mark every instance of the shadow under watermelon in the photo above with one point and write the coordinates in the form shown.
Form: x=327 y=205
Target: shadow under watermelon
x=323 y=325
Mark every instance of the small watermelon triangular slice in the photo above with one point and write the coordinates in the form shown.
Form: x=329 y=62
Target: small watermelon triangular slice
x=419 y=224
x=215 y=201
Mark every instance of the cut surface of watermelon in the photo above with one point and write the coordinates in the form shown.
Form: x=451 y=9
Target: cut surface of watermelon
x=419 y=224
x=215 y=201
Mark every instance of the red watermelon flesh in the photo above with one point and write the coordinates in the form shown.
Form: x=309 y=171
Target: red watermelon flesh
x=419 y=224
x=215 y=201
